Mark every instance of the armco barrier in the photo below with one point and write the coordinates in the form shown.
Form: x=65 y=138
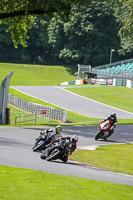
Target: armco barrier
x=111 y=81
x=57 y=114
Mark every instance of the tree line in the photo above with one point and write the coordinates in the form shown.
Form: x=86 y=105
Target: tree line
x=86 y=36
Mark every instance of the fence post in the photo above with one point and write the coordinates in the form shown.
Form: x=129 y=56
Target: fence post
x=35 y=118
x=15 y=118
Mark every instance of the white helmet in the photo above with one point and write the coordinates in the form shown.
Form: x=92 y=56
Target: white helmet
x=75 y=138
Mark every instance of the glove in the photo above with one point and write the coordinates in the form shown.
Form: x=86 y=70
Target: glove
x=42 y=132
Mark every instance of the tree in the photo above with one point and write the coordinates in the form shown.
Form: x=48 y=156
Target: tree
x=126 y=31
x=124 y=15
x=19 y=15
x=7 y=51
x=87 y=36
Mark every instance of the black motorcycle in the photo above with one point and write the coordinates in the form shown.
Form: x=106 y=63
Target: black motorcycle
x=58 y=150
x=43 y=139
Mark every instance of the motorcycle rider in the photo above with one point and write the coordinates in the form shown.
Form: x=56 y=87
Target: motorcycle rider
x=112 y=121
x=73 y=143
x=51 y=135
x=73 y=140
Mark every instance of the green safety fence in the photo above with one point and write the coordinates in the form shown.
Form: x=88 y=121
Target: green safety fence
x=131 y=84
x=121 y=82
x=71 y=82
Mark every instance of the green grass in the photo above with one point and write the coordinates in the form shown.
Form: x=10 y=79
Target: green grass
x=24 y=184
x=118 y=158
x=36 y=74
x=119 y=97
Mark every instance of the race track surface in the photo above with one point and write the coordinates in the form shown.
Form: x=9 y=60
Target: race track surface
x=73 y=102
x=16 y=150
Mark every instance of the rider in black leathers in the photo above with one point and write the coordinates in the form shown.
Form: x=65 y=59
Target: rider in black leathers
x=73 y=140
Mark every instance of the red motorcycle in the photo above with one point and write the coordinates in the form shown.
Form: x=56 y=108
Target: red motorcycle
x=105 y=130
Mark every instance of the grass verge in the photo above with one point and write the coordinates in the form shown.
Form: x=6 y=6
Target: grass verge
x=26 y=74
x=71 y=116
x=119 y=97
x=24 y=184
x=118 y=158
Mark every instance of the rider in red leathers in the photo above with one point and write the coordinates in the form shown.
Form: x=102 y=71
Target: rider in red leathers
x=112 y=121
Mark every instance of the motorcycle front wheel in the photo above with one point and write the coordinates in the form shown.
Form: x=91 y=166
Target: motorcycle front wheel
x=44 y=155
x=39 y=146
x=54 y=155
x=64 y=159
x=99 y=135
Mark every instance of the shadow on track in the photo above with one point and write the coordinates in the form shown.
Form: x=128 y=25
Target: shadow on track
x=13 y=143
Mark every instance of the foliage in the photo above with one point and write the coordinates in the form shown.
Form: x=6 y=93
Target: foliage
x=124 y=14
x=86 y=36
x=6 y=46
x=20 y=15
x=126 y=32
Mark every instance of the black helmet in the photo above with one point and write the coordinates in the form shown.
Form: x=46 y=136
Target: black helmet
x=113 y=115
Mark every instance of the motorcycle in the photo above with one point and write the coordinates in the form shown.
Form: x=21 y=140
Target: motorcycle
x=104 y=130
x=58 y=150
x=42 y=141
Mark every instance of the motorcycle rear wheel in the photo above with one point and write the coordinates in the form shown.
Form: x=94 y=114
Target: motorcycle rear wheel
x=43 y=156
x=64 y=159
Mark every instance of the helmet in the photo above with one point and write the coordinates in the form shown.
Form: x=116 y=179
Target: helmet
x=113 y=115
x=74 y=139
x=58 y=129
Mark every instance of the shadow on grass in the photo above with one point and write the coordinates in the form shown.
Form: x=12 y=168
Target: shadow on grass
x=71 y=69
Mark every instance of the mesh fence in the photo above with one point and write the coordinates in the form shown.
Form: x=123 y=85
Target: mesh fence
x=83 y=69
x=48 y=112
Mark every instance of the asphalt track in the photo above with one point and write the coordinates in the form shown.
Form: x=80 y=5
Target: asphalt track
x=16 y=150
x=16 y=143
x=73 y=102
